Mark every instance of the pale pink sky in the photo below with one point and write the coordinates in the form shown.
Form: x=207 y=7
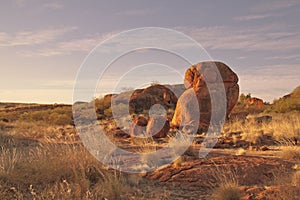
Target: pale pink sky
x=43 y=43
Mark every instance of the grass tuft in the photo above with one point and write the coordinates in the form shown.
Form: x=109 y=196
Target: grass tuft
x=228 y=191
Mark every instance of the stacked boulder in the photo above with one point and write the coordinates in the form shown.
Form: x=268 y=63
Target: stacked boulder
x=142 y=100
x=197 y=79
x=157 y=126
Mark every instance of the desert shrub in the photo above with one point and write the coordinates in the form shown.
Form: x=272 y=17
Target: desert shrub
x=286 y=127
x=11 y=116
x=251 y=131
x=290 y=102
x=33 y=116
x=63 y=110
x=3 y=125
x=108 y=112
x=60 y=119
x=228 y=186
x=284 y=105
x=102 y=104
x=57 y=116
x=39 y=115
x=228 y=191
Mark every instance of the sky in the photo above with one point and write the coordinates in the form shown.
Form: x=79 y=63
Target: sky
x=43 y=44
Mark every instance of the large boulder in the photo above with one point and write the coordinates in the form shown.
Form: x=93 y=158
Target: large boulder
x=141 y=100
x=197 y=78
x=158 y=127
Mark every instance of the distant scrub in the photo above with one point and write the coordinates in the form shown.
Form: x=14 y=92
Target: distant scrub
x=244 y=106
x=288 y=103
x=284 y=105
x=103 y=107
x=11 y=116
x=57 y=116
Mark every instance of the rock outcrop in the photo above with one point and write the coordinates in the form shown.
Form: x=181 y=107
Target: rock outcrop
x=141 y=100
x=197 y=78
x=158 y=127
x=256 y=102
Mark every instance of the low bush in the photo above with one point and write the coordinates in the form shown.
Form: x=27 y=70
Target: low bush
x=228 y=191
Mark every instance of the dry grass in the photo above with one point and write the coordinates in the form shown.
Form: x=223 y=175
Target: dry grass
x=284 y=128
x=227 y=184
x=240 y=152
x=182 y=144
x=287 y=183
x=228 y=191
x=59 y=171
x=178 y=162
x=145 y=145
x=53 y=171
x=296 y=179
x=290 y=152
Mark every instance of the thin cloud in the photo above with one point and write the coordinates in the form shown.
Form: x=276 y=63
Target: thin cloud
x=266 y=38
x=284 y=57
x=252 y=17
x=31 y=38
x=67 y=47
x=54 y=6
x=136 y=12
x=279 y=70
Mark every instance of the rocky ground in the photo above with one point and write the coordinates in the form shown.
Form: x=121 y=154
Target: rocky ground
x=255 y=164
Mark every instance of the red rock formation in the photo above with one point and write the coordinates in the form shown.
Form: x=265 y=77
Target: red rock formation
x=197 y=77
x=158 y=127
x=256 y=102
x=141 y=100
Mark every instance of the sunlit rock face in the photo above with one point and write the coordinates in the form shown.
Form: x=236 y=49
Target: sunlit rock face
x=197 y=79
